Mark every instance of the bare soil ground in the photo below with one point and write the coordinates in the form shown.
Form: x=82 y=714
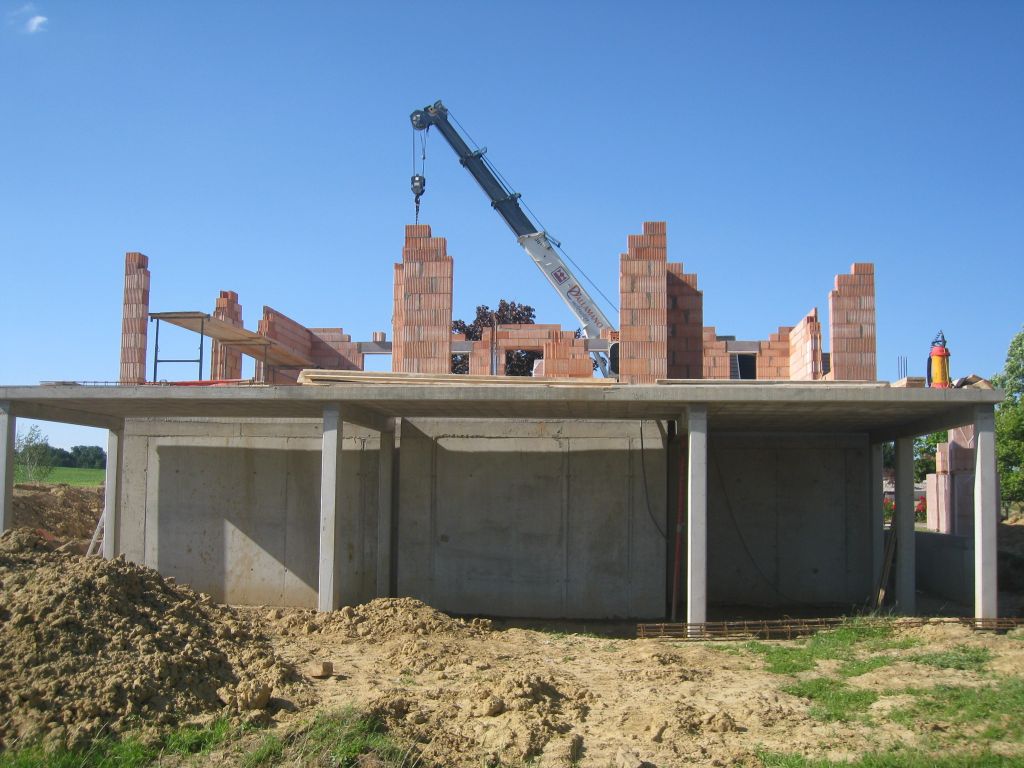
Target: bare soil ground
x=91 y=647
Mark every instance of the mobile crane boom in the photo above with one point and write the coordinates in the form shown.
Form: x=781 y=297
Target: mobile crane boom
x=531 y=237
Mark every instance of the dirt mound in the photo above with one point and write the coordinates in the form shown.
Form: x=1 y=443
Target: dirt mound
x=64 y=512
x=385 y=618
x=508 y=718
x=88 y=644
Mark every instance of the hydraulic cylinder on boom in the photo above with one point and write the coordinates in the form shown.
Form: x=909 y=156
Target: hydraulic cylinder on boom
x=534 y=240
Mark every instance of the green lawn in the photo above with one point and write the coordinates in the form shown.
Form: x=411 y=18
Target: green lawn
x=71 y=476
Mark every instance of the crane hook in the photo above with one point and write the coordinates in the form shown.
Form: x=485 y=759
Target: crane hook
x=419 y=186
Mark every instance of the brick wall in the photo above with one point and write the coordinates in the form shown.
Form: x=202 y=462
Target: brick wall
x=334 y=349
x=851 y=313
x=805 y=349
x=716 y=357
x=225 y=361
x=685 y=317
x=773 y=356
x=643 y=320
x=282 y=329
x=422 y=320
x=134 y=319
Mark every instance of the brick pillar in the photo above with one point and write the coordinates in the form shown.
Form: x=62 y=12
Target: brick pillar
x=134 y=319
x=423 y=305
x=225 y=361
x=643 y=323
x=851 y=319
x=685 y=314
x=805 y=349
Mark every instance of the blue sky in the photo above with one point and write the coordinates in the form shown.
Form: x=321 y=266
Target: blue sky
x=265 y=148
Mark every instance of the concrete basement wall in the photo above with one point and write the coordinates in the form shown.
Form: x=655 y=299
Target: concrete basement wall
x=539 y=519
x=507 y=518
x=232 y=508
x=788 y=520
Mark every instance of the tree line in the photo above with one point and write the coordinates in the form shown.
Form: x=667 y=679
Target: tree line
x=35 y=458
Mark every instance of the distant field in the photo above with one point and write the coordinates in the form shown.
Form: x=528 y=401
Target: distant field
x=71 y=476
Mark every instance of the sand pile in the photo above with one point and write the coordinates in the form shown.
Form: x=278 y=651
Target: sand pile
x=384 y=618
x=64 y=512
x=89 y=645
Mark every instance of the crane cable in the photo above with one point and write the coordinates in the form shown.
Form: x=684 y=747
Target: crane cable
x=508 y=188
x=423 y=164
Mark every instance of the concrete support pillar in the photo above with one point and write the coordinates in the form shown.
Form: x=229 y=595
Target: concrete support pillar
x=385 y=473
x=112 y=493
x=8 y=428
x=903 y=525
x=876 y=499
x=985 y=515
x=697 y=514
x=329 y=586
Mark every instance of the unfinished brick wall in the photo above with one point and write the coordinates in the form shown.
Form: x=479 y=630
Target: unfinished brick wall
x=716 y=356
x=134 y=319
x=685 y=317
x=422 y=320
x=564 y=355
x=851 y=314
x=281 y=328
x=773 y=356
x=225 y=361
x=334 y=349
x=805 y=362
x=643 y=320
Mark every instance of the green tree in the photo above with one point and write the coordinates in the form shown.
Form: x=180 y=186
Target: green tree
x=925 y=447
x=518 y=362
x=1010 y=424
x=88 y=457
x=33 y=456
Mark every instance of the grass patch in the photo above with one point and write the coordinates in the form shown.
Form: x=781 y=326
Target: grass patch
x=961 y=657
x=269 y=752
x=342 y=736
x=995 y=710
x=858 y=667
x=832 y=699
x=191 y=740
x=901 y=759
x=68 y=475
x=840 y=644
x=102 y=753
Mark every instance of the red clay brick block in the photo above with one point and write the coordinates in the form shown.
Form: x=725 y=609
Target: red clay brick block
x=422 y=318
x=134 y=319
x=225 y=361
x=852 y=327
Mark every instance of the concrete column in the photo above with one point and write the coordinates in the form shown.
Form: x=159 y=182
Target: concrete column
x=385 y=518
x=329 y=586
x=697 y=515
x=8 y=428
x=985 y=515
x=903 y=525
x=876 y=517
x=112 y=493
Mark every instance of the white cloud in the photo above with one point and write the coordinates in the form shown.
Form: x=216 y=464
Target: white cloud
x=36 y=24
x=27 y=19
